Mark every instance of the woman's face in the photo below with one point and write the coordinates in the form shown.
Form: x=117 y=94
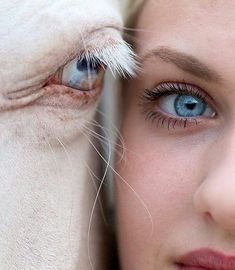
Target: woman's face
x=176 y=189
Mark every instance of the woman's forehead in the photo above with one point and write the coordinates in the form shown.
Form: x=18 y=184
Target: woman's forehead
x=183 y=13
x=202 y=29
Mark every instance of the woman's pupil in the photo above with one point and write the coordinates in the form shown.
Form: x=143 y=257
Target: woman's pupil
x=191 y=106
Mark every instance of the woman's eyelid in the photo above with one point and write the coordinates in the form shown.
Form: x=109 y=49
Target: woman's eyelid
x=180 y=87
x=173 y=87
x=150 y=103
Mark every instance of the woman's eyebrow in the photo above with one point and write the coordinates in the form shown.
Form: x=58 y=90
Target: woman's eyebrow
x=185 y=62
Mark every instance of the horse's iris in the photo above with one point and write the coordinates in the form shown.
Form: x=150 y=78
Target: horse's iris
x=83 y=75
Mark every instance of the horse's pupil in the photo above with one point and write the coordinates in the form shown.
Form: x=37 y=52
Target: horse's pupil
x=83 y=65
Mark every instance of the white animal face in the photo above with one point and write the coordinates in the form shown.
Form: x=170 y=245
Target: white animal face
x=39 y=38
x=46 y=195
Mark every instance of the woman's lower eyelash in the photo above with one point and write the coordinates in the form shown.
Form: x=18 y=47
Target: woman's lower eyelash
x=169 y=122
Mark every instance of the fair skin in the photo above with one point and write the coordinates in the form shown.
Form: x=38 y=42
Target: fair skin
x=180 y=167
x=49 y=214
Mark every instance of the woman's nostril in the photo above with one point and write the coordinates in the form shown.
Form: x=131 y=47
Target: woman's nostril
x=216 y=204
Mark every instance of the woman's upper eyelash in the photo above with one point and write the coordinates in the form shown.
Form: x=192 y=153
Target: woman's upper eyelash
x=149 y=103
x=168 y=88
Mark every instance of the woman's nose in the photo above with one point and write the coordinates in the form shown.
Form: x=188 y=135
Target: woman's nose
x=215 y=197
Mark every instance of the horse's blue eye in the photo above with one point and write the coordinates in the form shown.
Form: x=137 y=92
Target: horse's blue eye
x=83 y=75
x=82 y=65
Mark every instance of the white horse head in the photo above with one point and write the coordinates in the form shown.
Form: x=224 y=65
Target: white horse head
x=52 y=56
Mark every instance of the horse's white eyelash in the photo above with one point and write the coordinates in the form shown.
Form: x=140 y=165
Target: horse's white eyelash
x=119 y=58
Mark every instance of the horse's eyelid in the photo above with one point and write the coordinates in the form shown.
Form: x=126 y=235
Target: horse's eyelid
x=119 y=58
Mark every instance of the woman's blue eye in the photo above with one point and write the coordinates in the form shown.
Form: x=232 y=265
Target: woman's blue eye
x=185 y=106
x=83 y=75
x=189 y=106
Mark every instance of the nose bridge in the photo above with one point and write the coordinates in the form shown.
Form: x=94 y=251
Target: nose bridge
x=216 y=194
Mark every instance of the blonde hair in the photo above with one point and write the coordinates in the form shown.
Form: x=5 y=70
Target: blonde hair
x=134 y=7
x=132 y=11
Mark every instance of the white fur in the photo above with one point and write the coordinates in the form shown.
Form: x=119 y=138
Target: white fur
x=46 y=189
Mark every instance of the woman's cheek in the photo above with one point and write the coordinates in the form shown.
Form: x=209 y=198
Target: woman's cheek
x=162 y=174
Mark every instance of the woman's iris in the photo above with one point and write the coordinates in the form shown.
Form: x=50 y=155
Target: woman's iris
x=189 y=106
